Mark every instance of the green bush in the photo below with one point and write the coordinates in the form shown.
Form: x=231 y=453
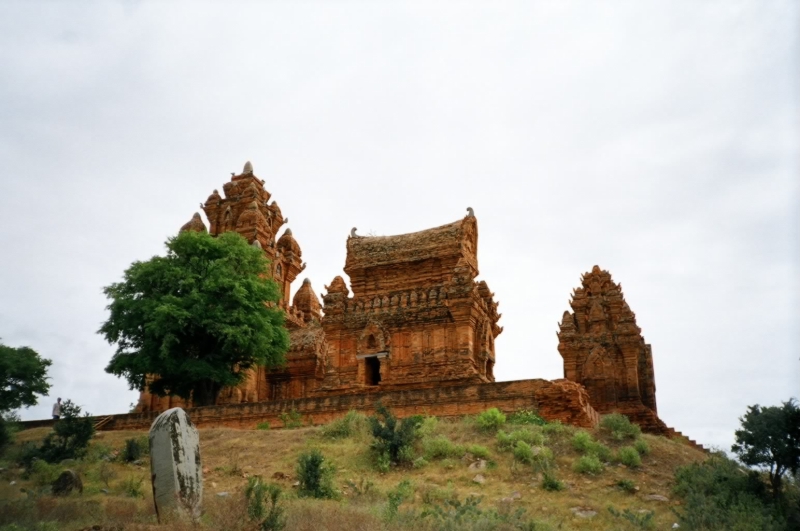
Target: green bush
x=720 y=494
x=263 y=426
x=626 y=485
x=523 y=452
x=291 y=420
x=639 y=520
x=132 y=487
x=628 y=456
x=351 y=424
x=70 y=436
x=263 y=504
x=428 y=426
x=481 y=452
x=132 y=451
x=455 y=515
x=588 y=464
x=620 y=427
x=553 y=428
x=42 y=473
x=526 y=416
x=419 y=462
x=402 y=492
x=441 y=448
x=507 y=441
x=315 y=475
x=393 y=439
x=551 y=483
x=641 y=446
x=490 y=420
x=582 y=441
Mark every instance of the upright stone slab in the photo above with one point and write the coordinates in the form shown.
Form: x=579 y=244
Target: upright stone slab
x=177 y=474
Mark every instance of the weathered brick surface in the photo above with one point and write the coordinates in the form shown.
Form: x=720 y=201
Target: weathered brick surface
x=555 y=400
x=603 y=350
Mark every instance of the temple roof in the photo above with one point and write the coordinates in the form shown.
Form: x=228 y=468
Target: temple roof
x=455 y=239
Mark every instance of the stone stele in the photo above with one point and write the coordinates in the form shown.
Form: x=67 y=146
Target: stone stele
x=175 y=463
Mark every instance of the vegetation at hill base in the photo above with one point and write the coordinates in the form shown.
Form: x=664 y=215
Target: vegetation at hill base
x=421 y=473
x=23 y=376
x=193 y=321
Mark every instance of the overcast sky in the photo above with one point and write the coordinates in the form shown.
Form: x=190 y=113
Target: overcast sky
x=658 y=140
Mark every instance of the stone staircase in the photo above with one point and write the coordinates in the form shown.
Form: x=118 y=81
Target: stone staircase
x=101 y=422
x=672 y=433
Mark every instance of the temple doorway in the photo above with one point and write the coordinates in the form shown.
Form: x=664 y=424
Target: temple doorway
x=372 y=370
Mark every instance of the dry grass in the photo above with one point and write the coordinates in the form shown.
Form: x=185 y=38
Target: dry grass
x=230 y=456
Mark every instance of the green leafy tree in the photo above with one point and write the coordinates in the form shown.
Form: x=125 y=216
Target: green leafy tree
x=23 y=375
x=770 y=438
x=193 y=321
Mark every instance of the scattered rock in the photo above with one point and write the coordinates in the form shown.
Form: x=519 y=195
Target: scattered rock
x=656 y=497
x=222 y=494
x=138 y=462
x=13 y=483
x=480 y=464
x=213 y=484
x=66 y=483
x=583 y=512
x=175 y=467
x=479 y=479
x=296 y=484
x=205 y=470
x=515 y=495
x=104 y=491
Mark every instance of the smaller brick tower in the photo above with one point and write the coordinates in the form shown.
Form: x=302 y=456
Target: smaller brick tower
x=603 y=350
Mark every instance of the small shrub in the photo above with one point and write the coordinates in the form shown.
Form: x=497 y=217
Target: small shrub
x=507 y=441
x=291 y=420
x=588 y=464
x=543 y=459
x=395 y=497
x=626 y=485
x=553 y=428
x=490 y=420
x=263 y=426
x=393 y=438
x=419 y=462
x=602 y=451
x=481 y=452
x=551 y=483
x=642 y=447
x=441 y=448
x=347 y=426
x=526 y=416
x=106 y=473
x=43 y=474
x=363 y=489
x=428 y=426
x=582 y=441
x=70 y=436
x=620 y=427
x=315 y=475
x=523 y=452
x=263 y=504
x=383 y=462
x=132 y=487
x=132 y=451
x=629 y=457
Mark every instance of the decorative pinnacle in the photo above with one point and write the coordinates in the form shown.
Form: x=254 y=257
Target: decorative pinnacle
x=353 y=232
x=471 y=212
x=248 y=168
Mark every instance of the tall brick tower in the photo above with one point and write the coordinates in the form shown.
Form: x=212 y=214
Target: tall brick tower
x=603 y=350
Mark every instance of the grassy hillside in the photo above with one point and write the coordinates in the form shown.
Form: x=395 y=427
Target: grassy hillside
x=511 y=496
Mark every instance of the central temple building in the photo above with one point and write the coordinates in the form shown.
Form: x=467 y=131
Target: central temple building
x=416 y=317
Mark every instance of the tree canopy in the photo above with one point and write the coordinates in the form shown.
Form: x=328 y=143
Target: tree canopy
x=193 y=321
x=23 y=375
x=770 y=438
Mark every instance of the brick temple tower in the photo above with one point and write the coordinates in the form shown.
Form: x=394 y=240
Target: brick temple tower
x=603 y=350
x=416 y=317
